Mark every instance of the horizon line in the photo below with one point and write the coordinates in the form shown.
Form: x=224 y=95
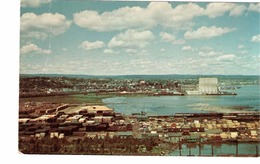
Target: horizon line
x=139 y=74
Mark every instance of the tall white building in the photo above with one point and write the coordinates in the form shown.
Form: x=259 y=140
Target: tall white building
x=208 y=86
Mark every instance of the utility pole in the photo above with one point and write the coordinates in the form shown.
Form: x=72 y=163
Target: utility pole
x=103 y=147
x=256 y=150
x=212 y=150
x=180 y=146
x=199 y=146
x=189 y=151
x=237 y=148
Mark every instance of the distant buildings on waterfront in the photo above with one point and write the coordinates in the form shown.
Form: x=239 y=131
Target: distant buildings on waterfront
x=51 y=86
x=206 y=86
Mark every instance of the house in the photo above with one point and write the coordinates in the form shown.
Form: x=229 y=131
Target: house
x=125 y=135
x=91 y=127
x=54 y=134
x=41 y=132
x=67 y=131
x=150 y=135
x=233 y=135
x=43 y=118
x=174 y=137
x=102 y=127
x=191 y=139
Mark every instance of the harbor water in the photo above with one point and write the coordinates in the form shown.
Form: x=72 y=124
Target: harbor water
x=247 y=99
x=242 y=149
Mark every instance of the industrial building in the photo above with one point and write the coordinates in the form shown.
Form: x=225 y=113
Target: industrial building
x=97 y=109
x=189 y=89
x=208 y=86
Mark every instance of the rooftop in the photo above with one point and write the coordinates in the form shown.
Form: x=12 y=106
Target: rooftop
x=97 y=108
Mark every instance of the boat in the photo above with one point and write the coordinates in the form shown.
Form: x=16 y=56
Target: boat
x=141 y=113
x=221 y=94
x=168 y=94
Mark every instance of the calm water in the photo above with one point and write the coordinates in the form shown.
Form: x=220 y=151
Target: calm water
x=248 y=96
x=229 y=149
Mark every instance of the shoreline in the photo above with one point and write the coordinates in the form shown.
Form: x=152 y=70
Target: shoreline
x=97 y=98
x=220 y=109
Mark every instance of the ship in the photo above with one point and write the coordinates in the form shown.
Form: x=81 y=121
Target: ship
x=169 y=94
x=222 y=94
x=230 y=87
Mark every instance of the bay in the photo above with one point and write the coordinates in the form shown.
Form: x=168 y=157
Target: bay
x=247 y=98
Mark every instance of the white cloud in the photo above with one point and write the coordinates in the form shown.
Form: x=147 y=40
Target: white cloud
x=181 y=11
x=131 y=51
x=213 y=10
x=40 y=26
x=32 y=48
x=218 y=9
x=131 y=39
x=86 y=45
x=241 y=46
x=109 y=51
x=122 y=18
x=226 y=58
x=140 y=52
x=166 y=37
x=256 y=38
x=206 y=48
x=181 y=16
x=209 y=53
x=237 y=10
x=180 y=41
x=254 y=7
x=162 y=50
x=33 y=3
x=142 y=18
x=187 y=48
x=207 y=32
x=243 y=52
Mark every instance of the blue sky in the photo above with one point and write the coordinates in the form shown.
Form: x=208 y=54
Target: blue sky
x=120 y=38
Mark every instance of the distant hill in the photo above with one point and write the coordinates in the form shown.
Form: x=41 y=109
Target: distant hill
x=146 y=77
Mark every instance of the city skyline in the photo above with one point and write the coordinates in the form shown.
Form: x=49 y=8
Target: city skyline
x=126 y=38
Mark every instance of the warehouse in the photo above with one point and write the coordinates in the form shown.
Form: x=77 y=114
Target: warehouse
x=96 y=109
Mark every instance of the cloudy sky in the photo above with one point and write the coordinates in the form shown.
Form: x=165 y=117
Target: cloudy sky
x=120 y=38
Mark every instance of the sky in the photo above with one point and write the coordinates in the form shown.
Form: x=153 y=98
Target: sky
x=137 y=37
